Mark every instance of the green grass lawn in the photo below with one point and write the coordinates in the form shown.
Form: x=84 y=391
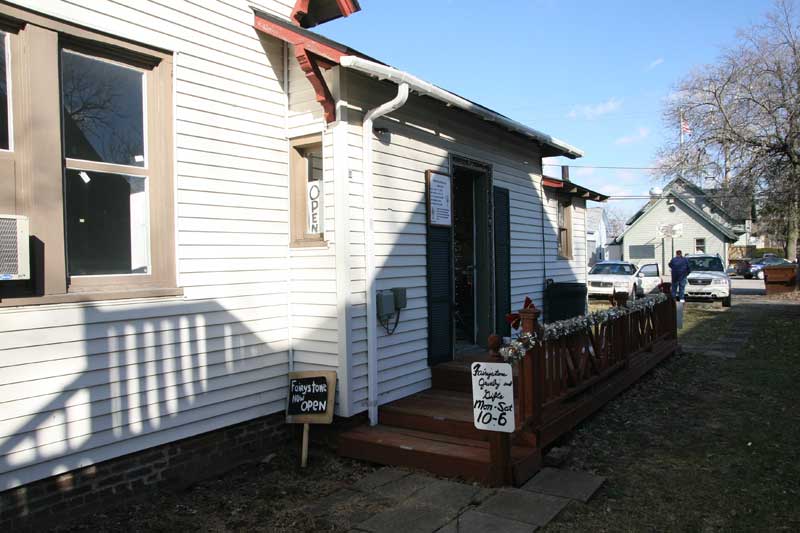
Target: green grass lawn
x=702 y=443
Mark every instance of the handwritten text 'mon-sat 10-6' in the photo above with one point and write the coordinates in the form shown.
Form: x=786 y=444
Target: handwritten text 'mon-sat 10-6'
x=492 y=394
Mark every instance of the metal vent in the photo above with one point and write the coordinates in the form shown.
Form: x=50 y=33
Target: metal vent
x=9 y=252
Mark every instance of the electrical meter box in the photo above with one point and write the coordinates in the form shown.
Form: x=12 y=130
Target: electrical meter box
x=385 y=304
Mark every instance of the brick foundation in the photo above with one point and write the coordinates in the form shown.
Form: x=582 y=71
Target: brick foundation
x=45 y=503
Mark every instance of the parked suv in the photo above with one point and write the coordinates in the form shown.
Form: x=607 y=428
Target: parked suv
x=707 y=279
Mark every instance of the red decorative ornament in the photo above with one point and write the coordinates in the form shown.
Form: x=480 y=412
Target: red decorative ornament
x=513 y=319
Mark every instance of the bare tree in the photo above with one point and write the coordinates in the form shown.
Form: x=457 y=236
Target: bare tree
x=616 y=221
x=743 y=117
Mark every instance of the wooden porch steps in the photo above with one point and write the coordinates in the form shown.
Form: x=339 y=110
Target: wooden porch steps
x=440 y=454
x=433 y=429
x=440 y=411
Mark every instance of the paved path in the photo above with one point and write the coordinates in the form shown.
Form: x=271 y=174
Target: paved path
x=395 y=500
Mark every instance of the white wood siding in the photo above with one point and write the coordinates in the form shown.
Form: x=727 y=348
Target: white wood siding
x=84 y=383
x=423 y=134
x=645 y=232
x=313 y=288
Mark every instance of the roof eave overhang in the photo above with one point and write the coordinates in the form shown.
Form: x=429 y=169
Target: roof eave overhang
x=573 y=189
x=551 y=145
x=334 y=9
x=310 y=48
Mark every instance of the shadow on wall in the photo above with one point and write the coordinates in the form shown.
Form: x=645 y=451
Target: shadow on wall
x=401 y=238
x=79 y=385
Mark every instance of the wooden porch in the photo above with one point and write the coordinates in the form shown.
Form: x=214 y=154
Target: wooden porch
x=556 y=385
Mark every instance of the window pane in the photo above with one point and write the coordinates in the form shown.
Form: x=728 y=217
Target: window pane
x=4 y=122
x=103 y=111
x=107 y=223
x=314 y=193
x=642 y=251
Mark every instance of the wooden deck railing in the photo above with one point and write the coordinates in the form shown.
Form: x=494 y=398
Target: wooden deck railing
x=557 y=370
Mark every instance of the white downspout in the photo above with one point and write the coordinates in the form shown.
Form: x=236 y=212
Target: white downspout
x=369 y=245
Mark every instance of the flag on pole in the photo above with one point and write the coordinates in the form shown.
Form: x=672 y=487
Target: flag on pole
x=685 y=126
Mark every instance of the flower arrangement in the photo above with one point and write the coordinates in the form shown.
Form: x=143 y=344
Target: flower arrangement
x=519 y=345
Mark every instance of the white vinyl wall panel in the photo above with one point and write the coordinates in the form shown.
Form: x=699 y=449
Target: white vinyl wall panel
x=81 y=383
x=422 y=136
x=645 y=232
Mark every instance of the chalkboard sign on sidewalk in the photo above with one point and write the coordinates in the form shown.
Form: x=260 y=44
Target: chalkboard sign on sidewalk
x=311 y=397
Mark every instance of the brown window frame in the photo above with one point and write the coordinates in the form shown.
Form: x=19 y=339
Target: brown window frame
x=564 y=236
x=38 y=164
x=298 y=178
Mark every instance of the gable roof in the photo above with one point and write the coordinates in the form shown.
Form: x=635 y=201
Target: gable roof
x=334 y=53
x=670 y=191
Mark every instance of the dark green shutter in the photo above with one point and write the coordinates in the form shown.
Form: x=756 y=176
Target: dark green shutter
x=502 y=260
x=440 y=295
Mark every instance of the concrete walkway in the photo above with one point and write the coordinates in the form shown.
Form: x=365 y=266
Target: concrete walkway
x=392 y=499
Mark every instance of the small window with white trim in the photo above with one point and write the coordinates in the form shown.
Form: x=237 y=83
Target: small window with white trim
x=699 y=246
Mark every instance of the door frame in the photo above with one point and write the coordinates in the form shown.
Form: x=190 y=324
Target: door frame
x=483 y=205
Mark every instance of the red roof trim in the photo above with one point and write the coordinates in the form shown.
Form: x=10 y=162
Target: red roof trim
x=300 y=10
x=346 y=8
x=298 y=39
x=310 y=65
x=553 y=184
x=311 y=55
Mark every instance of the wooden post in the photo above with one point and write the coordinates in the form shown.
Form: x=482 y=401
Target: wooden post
x=495 y=342
x=304 y=451
x=621 y=298
x=529 y=324
x=500 y=456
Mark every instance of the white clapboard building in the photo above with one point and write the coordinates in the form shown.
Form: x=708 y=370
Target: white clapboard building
x=216 y=195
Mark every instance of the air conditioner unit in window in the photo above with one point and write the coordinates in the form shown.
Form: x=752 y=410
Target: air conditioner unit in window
x=14 y=257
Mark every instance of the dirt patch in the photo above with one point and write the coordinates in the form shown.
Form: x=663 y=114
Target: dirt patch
x=272 y=495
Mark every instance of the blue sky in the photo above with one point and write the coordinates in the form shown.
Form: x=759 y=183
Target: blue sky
x=594 y=74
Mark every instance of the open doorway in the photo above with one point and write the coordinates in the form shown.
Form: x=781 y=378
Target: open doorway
x=472 y=255
x=464 y=260
x=460 y=268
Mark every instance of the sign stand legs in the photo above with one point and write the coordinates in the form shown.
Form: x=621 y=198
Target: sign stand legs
x=304 y=451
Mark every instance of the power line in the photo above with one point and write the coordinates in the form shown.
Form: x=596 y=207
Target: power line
x=603 y=167
x=701 y=197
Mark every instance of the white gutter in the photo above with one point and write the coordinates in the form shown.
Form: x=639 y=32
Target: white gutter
x=383 y=72
x=369 y=245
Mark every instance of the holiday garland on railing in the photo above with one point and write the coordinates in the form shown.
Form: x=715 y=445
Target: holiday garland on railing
x=520 y=344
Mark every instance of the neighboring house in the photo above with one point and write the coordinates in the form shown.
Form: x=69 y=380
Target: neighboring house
x=702 y=226
x=596 y=235
x=225 y=213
